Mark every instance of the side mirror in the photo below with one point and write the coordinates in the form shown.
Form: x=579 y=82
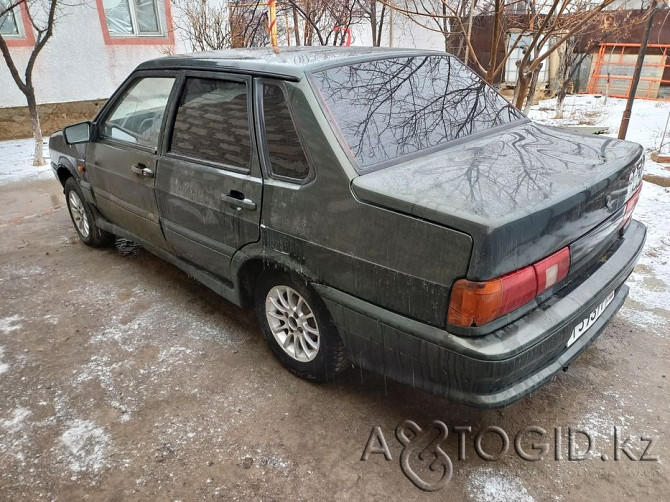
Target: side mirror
x=77 y=133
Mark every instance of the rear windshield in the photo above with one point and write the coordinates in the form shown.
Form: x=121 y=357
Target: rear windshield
x=390 y=108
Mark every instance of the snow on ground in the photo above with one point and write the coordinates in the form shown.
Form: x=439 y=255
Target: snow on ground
x=646 y=126
x=16 y=161
x=489 y=485
x=650 y=283
x=85 y=446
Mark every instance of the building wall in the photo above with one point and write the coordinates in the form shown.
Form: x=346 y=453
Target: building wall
x=406 y=33
x=80 y=64
x=77 y=63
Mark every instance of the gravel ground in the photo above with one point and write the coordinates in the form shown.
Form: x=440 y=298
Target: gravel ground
x=121 y=378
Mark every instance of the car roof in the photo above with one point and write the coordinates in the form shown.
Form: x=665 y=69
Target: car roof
x=288 y=62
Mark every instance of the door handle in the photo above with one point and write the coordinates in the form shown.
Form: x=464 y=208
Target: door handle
x=237 y=199
x=142 y=170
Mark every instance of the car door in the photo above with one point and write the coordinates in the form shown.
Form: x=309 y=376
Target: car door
x=121 y=161
x=208 y=183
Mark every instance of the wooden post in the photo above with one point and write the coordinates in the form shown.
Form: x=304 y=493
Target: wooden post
x=272 y=11
x=625 y=120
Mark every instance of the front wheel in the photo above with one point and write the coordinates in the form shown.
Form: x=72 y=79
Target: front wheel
x=83 y=218
x=298 y=328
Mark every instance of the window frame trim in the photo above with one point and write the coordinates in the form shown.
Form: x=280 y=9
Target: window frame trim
x=172 y=117
x=165 y=37
x=262 y=137
x=113 y=101
x=26 y=36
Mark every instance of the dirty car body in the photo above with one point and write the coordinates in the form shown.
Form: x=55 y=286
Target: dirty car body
x=454 y=244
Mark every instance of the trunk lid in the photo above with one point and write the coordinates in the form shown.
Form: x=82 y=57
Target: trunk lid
x=521 y=193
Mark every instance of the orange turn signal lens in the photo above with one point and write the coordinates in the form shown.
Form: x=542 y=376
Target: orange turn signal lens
x=477 y=303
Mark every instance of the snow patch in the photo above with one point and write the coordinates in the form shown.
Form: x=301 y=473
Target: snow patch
x=17 y=161
x=15 y=424
x=3 y=365
x=85 y=446
x=9 y=324
x=489 y=485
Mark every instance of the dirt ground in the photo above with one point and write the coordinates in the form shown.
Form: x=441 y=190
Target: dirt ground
x=123 y=379
x=15 y=121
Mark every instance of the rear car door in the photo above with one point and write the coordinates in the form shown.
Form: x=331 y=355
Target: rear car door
x=121 y=162
x=209 y=185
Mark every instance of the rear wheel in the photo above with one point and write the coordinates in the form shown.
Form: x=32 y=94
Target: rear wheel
x=83 y=218
x=298 y=328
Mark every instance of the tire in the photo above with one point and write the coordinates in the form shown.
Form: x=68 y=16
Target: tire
x=292 y=315
x=83 y=218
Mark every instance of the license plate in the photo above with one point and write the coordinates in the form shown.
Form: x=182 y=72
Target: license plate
x=589 y=321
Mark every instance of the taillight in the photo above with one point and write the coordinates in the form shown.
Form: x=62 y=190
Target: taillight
x=552 y=269
x=630 y=206
x=475 y=303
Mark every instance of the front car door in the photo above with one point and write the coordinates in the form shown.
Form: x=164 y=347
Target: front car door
x=208 y=183
x=121 y=161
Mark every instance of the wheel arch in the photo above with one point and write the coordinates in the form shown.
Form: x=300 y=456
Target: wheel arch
x=65 y=170
x=249 y=268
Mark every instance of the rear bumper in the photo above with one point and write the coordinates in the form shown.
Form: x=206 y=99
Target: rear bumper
x=499 y=368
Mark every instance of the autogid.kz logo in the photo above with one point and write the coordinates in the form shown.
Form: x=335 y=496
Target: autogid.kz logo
x=425 y=462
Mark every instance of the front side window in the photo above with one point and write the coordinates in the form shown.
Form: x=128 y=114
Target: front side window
x=133 y=17
x=212 y=123
x=9 y=19
x=138 y=115
x=390 y=108
x=287 y=158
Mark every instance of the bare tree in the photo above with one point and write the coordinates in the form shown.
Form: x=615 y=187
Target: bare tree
x=548 y=24
x=248 y=24
x=213 y=25
x=325 y=21
x=589 y=38
x=554 y=23
x=41 y=15
x=203 y=24
x=376 y=18
x=440 y=17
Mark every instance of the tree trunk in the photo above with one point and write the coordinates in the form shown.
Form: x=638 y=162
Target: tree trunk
x=296 y=26
x=493 y=60
x=560 y=99
x=531 y=90
x=521 y=89
x=373 y=24
x=38 y=159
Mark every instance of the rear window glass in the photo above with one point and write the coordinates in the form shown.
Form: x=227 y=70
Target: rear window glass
x=389 y=108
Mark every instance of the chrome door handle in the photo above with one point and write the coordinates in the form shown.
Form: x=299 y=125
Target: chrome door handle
x=142 y=170
x=239 y=201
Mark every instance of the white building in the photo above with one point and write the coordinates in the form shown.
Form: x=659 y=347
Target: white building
x=96 y=45
x=93 y=48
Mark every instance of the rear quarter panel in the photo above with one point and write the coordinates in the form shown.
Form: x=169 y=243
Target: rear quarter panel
x=396 y=261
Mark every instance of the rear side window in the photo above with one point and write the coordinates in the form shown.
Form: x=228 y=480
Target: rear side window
x=287 y=158
x=137 y=116
x=212 y=122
